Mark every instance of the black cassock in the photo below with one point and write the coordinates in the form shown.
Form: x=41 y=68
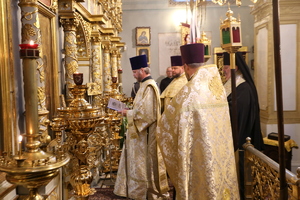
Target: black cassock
x=248 y=117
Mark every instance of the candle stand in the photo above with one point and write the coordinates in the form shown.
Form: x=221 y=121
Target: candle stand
x=77 y=123
x=33 y=167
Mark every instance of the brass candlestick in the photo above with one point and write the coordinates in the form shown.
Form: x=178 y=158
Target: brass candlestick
x=78 y=121
x=33 y=167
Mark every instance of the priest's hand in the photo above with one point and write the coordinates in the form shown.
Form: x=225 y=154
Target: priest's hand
x=123 y=112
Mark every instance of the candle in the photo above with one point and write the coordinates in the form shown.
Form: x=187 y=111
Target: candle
x=20 y=145
x=29 y=49
x=78 y=78
x=31 y=45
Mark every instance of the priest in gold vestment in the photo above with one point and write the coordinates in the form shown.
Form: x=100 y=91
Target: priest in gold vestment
x=144 y=175
x=179 y=80
x=194 y=134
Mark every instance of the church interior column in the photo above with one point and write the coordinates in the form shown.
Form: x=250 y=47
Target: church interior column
x=70 y=47
x=106 y=45
x=96 y=62
x=114 y=63
x=120 y=71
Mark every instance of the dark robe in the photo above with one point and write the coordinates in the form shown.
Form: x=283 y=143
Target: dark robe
x=248 y=117
x=164 y=83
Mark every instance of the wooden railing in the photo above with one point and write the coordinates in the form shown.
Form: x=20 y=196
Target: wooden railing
x=262 y=179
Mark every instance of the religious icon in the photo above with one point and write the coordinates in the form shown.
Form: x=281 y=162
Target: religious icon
x=144 y=51
x=143 y=36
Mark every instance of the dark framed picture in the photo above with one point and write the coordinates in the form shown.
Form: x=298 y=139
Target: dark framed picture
x=144 y=51
x=143 y=36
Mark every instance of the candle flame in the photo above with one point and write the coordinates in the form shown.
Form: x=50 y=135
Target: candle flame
x=31 y=42
x=20 y=138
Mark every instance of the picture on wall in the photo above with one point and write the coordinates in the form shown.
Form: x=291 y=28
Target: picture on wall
x=143 y=36
x=144 y=51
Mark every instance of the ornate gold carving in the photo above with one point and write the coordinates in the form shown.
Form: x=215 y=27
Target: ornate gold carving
x=83 y=36
x=106 y=45
x=71 y=68
x=41 y=97
x=114 y=64
x=107 y=72
x=113 y=10
x=79 y=121
x=43 y=128
x=96 y=65
x=262 y=176
x=96 y=40
x=27 y=32
x=69 y=24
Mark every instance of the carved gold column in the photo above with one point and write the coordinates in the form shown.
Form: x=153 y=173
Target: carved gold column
x=71 y=61
x=96 y=62
x=120 y=71
x=31 y=32
x=114 y=63
x=106 y=45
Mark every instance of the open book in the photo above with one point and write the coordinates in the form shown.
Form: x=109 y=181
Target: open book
x=116 y=105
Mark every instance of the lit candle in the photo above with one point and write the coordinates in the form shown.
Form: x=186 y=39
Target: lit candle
x=20 y=145
x=31 y=45
x=29 y=49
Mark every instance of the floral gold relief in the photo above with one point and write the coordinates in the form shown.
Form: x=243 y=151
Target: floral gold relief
x=27 y=32
x=71 y=61
x=262 y=180
x=96 y=63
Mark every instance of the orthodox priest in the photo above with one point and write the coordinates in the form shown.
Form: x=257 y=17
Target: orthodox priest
x=248 y=122
x=179 y=80
x=194 y=134
x=142 y=173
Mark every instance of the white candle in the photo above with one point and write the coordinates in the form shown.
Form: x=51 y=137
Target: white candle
x=20 y=145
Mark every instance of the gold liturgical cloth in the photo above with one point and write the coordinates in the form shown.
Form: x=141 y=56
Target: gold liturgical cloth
x=146 y=171
x=194 y=135
x=288 y=144
x=172 y=89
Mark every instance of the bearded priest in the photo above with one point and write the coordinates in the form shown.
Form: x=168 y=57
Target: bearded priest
x=142 y=173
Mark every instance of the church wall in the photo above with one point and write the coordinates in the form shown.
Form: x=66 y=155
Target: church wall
x=292 y=130
x=160 y=18
x=265 y=72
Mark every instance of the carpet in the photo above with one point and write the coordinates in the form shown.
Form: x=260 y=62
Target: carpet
x=107 y=194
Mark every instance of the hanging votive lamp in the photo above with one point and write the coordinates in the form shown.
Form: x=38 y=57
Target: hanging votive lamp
x=230 y=32
x=207 y=46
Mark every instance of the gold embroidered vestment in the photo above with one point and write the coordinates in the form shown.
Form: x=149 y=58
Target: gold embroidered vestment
x=146 y=171
x=194 y=135
x=172 y=89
